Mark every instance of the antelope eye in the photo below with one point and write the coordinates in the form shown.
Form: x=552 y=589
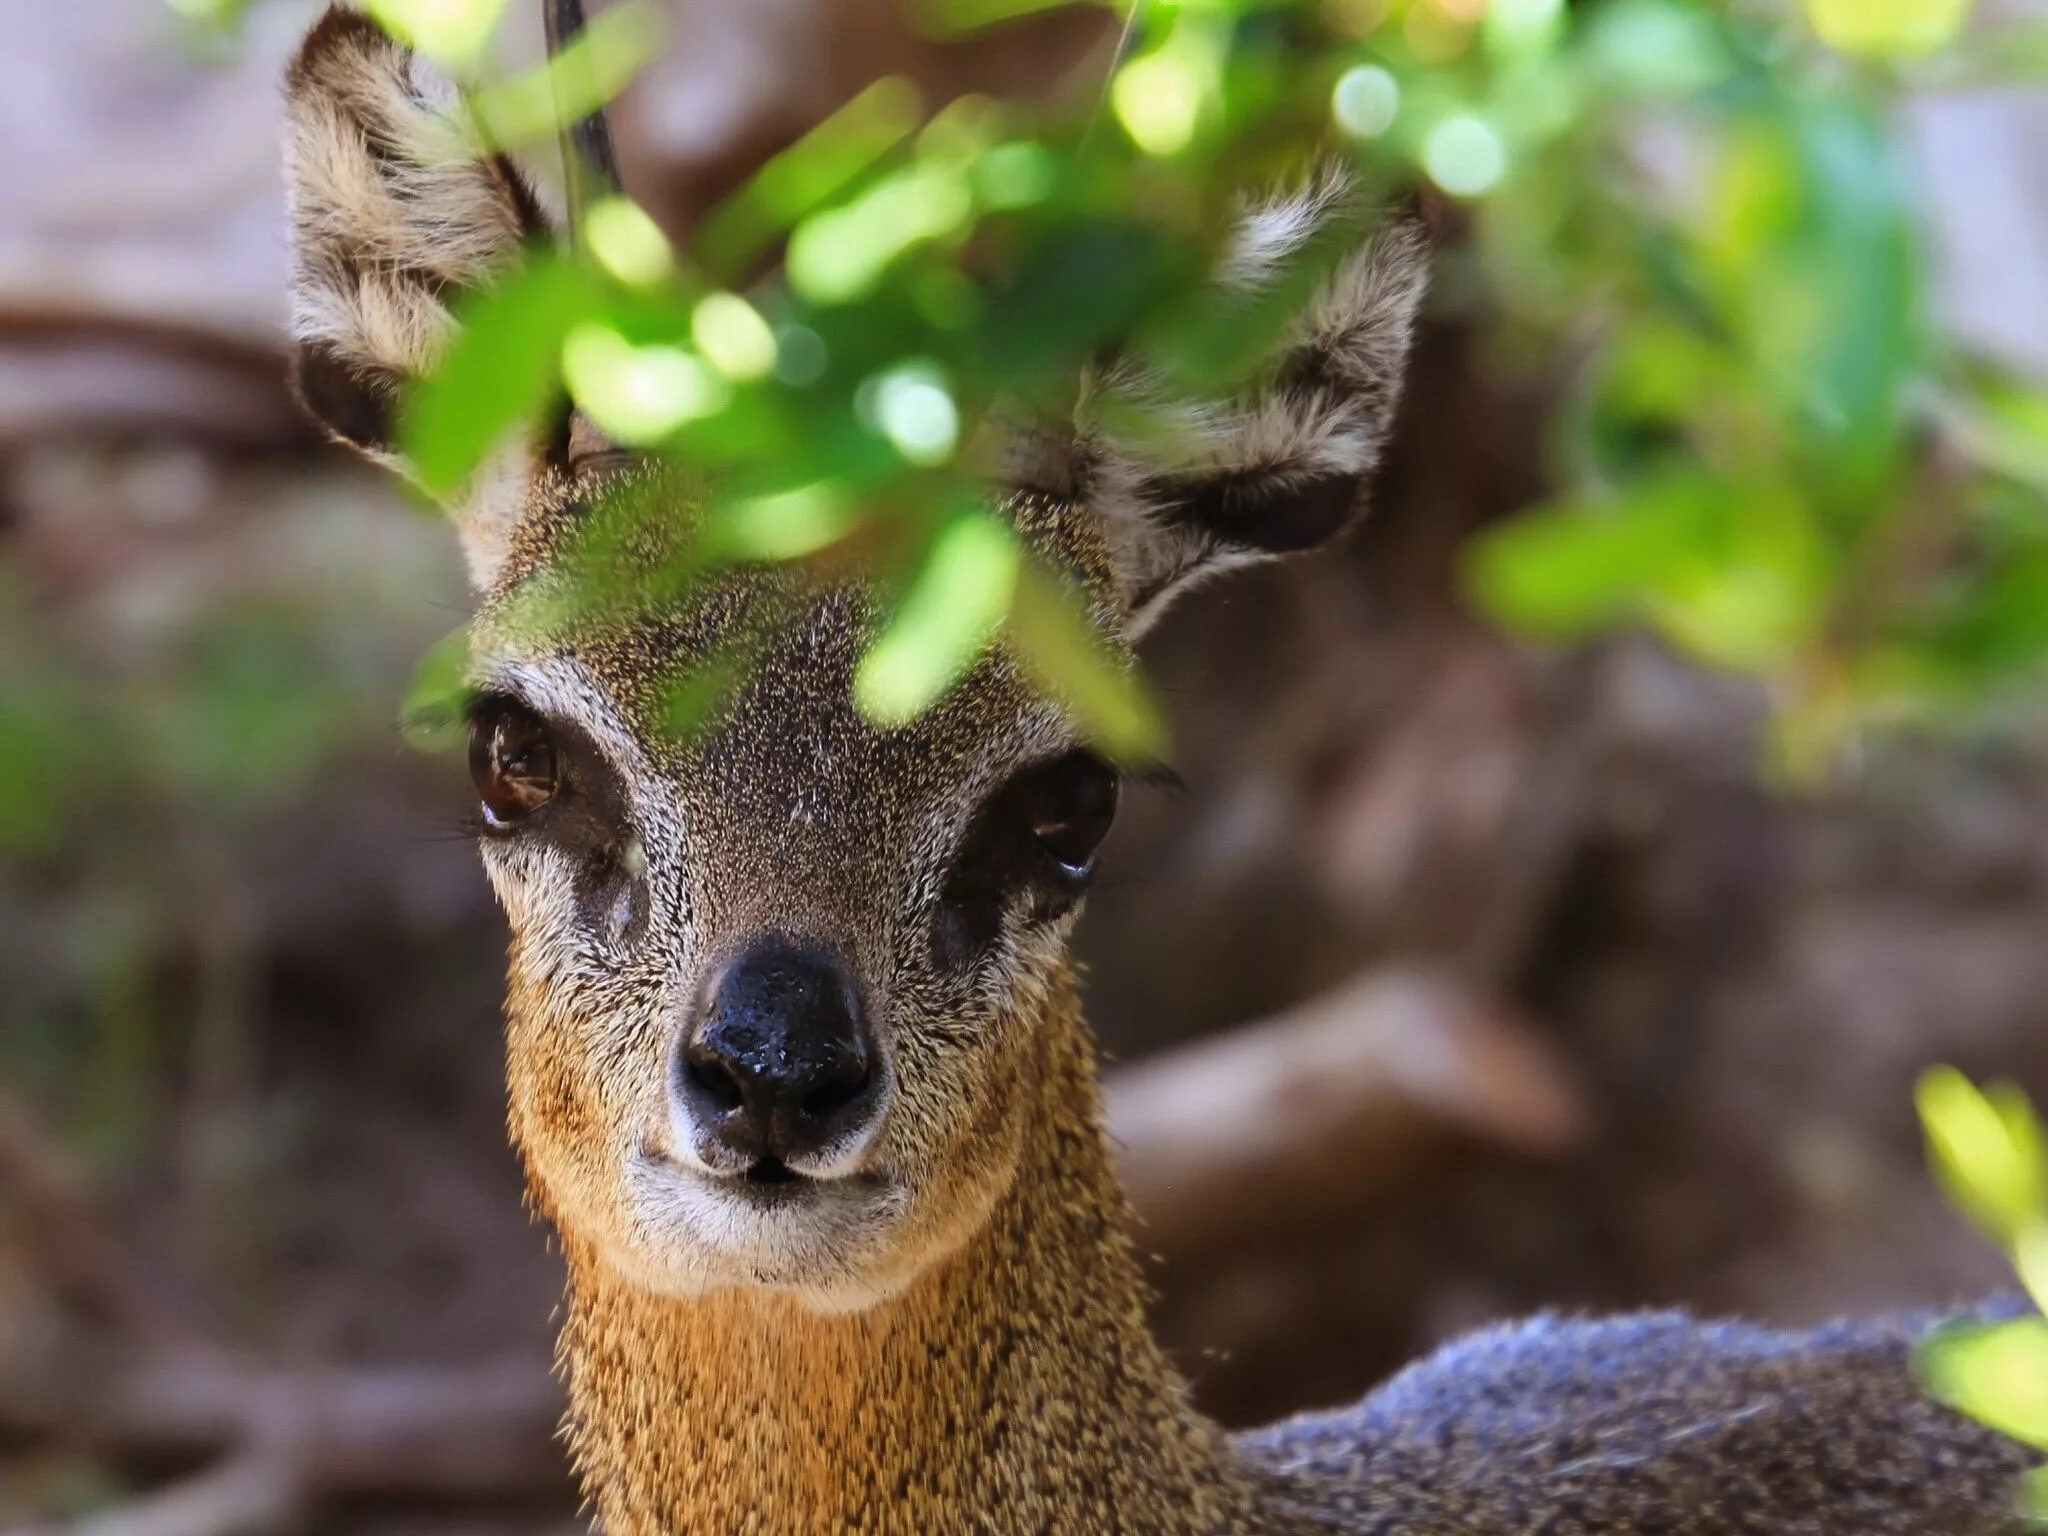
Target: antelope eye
x=1068 y=806
x=512 y=759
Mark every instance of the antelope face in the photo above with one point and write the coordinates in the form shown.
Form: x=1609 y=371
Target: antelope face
x=778 y=982
x=773 y=982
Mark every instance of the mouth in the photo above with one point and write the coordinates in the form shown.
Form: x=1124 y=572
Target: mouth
x=770 y=1171
x=770 y=1184
x=767 y=1189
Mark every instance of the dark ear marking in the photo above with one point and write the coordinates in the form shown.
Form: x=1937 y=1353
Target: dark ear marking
x=356 y=405
x=1272 y=514
x=533 y=219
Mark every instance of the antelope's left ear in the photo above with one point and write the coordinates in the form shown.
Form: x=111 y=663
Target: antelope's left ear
x=1281 y=467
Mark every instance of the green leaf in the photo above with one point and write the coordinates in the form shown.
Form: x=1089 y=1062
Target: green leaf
x=840 y=253
x=1888 y=29
x=2034 y=1495
x=497 y=371
x=945 y=620
x=1572 y=565
x=1079 y=284
x=2001 y=420
x=1065 y=655
x=530 y=107
x=693 y=699
x=2030 y=1260
x=639 y=394
x=431 y=719
x=785 y=525
x=1731 y=571
x=950 y=18
x=1654 y=48
x=1987 y=1147
x=39 y=784
x=803 y=177
x=1996 y=1373
x=454 y=33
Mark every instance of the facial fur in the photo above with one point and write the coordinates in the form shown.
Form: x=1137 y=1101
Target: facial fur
x=786 y=814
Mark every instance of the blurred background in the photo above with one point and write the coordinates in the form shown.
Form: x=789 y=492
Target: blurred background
x=1584 y=903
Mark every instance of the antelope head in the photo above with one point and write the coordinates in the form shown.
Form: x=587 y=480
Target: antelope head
x=779 y=987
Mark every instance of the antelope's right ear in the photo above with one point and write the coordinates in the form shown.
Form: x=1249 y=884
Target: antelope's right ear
x=394 y=211
x=1214 y=484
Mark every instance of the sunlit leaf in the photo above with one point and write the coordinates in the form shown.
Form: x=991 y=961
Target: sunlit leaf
x=943 y=623
x=2030 y=1259
x=1563 y=569
x=820 y=165
x=1464 y=154
x=948 y=17
x=1366 y=100
x=220 y=14
x=1523 y=29
x=911 y=407
x=530 y=107
x=627 y=243
x=1158 y=99
x=1065 y=655
x=840 y=253
x=1997 y=1373
x=2002 y=420
x=1655 y=48
x=783 y=526
x=1888 y=28
x=496 y=372
x=732 y=335
x=639 y=394
x=452 y=32
x=694 y=698
x=1014 y=175
x=1987 y=1148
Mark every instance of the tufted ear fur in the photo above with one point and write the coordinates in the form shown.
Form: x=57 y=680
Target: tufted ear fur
x=1216 y=484
x=393 y=212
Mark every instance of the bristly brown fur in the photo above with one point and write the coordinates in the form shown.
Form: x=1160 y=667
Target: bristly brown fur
x=946 y=1335
x=1015 y=1388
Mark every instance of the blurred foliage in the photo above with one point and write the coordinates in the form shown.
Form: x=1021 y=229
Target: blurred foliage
x=1695 y=214
x=1989 y=1149
x=146 y=754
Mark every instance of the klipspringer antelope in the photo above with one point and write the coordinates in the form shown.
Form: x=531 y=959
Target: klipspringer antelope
x=797 y=1069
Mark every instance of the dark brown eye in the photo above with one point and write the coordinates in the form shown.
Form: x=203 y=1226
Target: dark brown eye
x=512 y=760
x=1068 y=806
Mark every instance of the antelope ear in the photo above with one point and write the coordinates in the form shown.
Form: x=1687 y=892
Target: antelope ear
x=394 y=212
x=1281 y=467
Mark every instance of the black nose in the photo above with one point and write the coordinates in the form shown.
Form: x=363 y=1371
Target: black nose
x=779 y=1064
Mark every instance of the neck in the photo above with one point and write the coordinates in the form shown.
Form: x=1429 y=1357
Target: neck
x=1013 y=1387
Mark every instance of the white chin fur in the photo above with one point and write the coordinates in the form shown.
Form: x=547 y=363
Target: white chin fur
x=819 y=1241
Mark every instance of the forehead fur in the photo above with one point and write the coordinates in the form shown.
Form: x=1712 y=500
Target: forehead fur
x=604 y=571
x=783 y=809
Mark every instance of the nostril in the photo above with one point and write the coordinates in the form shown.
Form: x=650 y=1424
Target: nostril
x=714 y=1082
x=836 y=1092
